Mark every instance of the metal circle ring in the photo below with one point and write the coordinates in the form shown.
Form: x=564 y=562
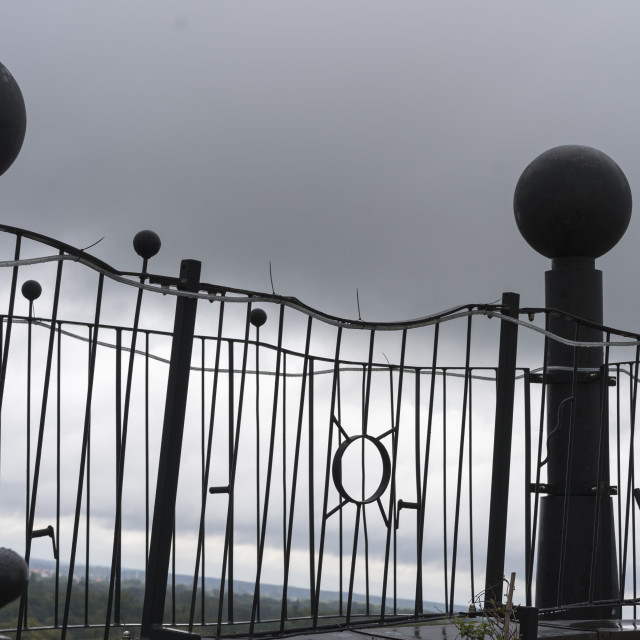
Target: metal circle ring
x=336 y=469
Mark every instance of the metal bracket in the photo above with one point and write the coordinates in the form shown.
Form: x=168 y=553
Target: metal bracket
x=47 y=532
x=219 y=489
x=566 y=377
x=405 y=505
x=553 y=489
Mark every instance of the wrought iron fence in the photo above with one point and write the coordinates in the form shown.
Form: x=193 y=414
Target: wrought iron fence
x=333 y=472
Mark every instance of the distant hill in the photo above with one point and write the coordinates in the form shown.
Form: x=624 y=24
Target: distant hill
x=241 y=587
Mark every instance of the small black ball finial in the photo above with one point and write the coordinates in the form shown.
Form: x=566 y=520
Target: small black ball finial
x=146 y=243
x=258 y=317
x=572 y=201
x=13 y=119
x=31 y=290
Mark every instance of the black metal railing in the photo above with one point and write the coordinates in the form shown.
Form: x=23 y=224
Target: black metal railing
x=329 y=471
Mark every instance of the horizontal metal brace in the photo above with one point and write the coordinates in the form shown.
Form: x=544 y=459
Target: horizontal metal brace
x=574 y=490
x=48 y=532
x=405 y=505
x=219 y=489
x=566 y=377
x=158 y=632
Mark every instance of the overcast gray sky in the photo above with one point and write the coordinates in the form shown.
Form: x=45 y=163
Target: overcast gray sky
x=354 y=144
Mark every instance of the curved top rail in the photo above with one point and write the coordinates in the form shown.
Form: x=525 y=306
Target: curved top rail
x=61 y=246
x=220 y=293
x=531 y=311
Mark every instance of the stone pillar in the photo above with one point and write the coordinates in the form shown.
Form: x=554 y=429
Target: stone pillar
x=573 y=204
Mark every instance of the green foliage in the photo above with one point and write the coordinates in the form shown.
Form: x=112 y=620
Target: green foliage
x=497 y=622
x=88 y=609
x=469 y=629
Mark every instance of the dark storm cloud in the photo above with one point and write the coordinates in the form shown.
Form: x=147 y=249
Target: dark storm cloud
x=363 y=144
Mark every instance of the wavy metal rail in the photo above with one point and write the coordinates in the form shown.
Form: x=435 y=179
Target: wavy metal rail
x=333 y=471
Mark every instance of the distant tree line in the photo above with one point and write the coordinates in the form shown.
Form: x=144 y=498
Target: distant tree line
x=88 y=606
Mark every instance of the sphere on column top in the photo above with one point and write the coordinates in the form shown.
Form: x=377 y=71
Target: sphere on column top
x=572 y=201
x=13 y=119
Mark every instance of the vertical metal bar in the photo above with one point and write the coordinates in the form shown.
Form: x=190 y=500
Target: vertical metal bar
x=603 y=468
x=284 y=471
x=312 y=502
x=444 y=492
x=619 y=468
x=470 y=468
x=257 y=414
x=336 y=373
x=88 y=497
x=569 y=461
x=234 y=447
x=392 y=492
x=83 y=459
x=27 y=531
x=3 y=370
x=203 y=499
x=7 y=341
x=632 y=467
x=527 y=485
x=207 y=466
x=173 y=574
x=58 y=468
x=416 y=440
x=170 y=450
x=122 y=423
x=463 y=425
x=267 y=494
x=536 y=500
x=499 y=501
x=147 y=493
x=422 y=493
x=633 y=396
x=43 y=413
x=365 y=425
x=234 y=443
x=114 y=582
x=354 y=553
x=340 y=514
x=294 y=484
x=365 y=533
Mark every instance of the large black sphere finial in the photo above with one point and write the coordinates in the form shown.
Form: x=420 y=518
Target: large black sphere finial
x=14 y=576
x=13 y=119
x=572 y=201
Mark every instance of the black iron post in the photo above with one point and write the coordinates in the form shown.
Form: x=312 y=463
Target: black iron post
x=506 y=378
x=573 y=204
x=169 y=463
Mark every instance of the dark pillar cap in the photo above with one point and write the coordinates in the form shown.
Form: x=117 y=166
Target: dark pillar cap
x=13 y=119
x=572 y=201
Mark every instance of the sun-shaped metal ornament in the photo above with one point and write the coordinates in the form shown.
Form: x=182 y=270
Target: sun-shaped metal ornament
x=337 y=470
